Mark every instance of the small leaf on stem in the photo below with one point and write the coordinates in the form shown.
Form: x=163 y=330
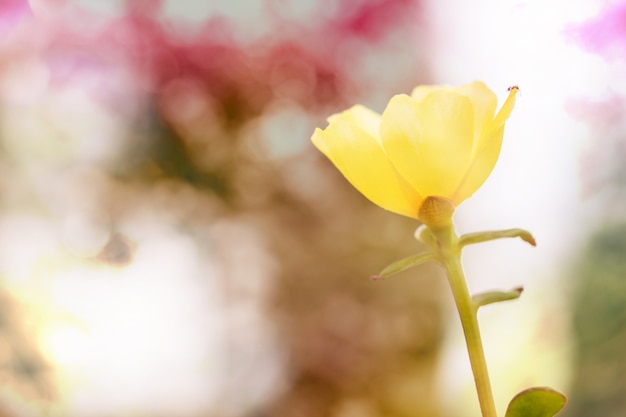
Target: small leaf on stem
x=536 y=402
x=403 y=264
x=479 y=237
x=491 y=297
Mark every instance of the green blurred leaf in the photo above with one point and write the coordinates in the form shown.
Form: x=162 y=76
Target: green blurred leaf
x=536 y=402
x=404 y=264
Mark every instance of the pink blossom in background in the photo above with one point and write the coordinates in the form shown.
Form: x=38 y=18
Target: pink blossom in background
x=605 y=34
x=11 y=12
x=600 y=114
x=601 y=164
x=142 y=54
x=370 y=20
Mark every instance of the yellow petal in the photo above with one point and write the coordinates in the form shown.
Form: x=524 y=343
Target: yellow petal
x=487 y=152
x=506 y=109
x=430 y=142
x=484 y=101
x=482 y=164
x=420 y=92
x=363 y=162
x=360 y=116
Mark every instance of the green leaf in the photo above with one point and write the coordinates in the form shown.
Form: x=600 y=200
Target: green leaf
x=404 y=264
x=490 y=297
x=479 y=237
x=536 y=402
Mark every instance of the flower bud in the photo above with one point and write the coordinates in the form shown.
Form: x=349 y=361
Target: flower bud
x=436 y=212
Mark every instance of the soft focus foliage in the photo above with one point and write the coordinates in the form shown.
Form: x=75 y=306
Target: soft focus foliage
x=599 y=322
x=173 y=238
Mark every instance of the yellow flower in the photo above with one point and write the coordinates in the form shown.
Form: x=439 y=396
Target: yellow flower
x=438 y=144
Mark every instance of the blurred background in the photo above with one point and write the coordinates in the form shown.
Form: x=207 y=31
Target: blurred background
x=172 y=245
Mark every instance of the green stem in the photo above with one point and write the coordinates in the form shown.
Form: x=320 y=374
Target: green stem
x=450 y=257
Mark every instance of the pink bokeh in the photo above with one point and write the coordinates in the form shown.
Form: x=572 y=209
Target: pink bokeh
x=605 y=34
x=11 y=13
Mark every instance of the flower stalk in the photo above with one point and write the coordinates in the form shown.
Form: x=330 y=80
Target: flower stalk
x=449 y=255
x=445 y=247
